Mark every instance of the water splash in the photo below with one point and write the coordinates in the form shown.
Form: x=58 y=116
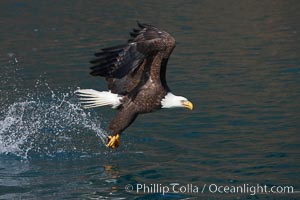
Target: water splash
x=48 y=126
x=48 y=123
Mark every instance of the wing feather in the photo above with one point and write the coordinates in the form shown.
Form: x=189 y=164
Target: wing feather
x=123 y=66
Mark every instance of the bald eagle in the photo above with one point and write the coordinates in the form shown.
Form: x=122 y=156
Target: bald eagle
x=136 y=77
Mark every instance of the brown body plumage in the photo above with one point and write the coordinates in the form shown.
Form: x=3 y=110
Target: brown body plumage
x=136 y=72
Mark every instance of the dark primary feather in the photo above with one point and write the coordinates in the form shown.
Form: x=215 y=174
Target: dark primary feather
x=124 y=65
x=116 y=61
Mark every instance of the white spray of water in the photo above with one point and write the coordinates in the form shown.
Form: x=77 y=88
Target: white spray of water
x=47 y=127
x=48 y=123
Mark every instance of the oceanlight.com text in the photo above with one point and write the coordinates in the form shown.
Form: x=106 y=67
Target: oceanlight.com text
x=207 y=188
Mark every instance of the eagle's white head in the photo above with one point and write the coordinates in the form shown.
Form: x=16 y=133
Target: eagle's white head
x=173 y=101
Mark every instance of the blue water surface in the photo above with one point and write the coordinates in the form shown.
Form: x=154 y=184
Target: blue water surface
x=237 y=61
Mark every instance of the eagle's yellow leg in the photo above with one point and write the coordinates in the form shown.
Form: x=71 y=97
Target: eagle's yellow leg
x=113 y=141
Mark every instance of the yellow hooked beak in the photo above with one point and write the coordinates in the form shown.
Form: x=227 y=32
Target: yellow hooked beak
x=188 y=105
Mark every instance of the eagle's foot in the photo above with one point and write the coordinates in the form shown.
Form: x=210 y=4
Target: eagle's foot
x=113 y=141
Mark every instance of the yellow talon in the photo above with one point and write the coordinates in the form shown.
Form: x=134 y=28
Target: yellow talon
x=113 y=141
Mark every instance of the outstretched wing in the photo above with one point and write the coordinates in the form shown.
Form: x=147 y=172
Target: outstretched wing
x=123 y=66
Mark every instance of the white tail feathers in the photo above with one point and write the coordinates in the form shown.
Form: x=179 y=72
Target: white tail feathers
x=91 y=98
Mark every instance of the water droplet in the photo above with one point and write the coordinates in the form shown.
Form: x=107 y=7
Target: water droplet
x=10 y=55
x=45 y=122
